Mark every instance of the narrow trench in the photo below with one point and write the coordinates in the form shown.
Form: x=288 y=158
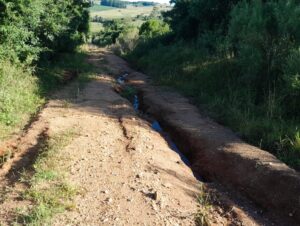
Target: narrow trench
x=137 y=101
x=163 y=131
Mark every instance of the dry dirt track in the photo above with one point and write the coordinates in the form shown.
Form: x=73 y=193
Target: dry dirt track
x=127 y=172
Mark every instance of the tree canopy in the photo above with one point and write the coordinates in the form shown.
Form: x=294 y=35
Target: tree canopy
x=31 y=27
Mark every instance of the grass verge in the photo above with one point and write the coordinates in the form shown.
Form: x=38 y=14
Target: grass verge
x=19 y=97
x=49 y=191
x=24 y=91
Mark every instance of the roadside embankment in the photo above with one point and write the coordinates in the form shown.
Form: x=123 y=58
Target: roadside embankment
x=216 y=153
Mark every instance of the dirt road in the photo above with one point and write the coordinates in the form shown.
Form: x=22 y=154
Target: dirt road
x=126 y=173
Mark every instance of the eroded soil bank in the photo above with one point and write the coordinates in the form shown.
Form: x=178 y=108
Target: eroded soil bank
x=215 y=152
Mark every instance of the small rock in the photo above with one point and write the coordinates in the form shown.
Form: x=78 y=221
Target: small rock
x=291 y=214
x=154 y=206
x=140 y=175
x=156 y=172
x=161 y=204
x=167 y=185
x=133 y=188
x=109 y=200
x=153 y=195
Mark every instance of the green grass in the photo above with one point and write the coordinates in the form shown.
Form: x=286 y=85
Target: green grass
x=202 y=217
x=23 y=92
x=211 y=83
x=100 y=8
x=19 y=97
x=51 y=73
x=49 y=192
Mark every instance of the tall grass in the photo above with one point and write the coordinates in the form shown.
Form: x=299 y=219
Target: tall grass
x=19 y=97
x=24 y=90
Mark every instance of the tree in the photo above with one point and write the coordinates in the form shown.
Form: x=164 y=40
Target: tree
x=153 y=28
x=31 y=27
x=191 y=18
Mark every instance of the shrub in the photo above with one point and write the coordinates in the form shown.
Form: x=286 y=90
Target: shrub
x=153 y=28
x=127 y=40
x=110 y=33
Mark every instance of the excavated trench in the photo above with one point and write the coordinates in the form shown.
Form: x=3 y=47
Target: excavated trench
x=174 y=143
x=216 y=152
x=137 y=102
x=169 y=134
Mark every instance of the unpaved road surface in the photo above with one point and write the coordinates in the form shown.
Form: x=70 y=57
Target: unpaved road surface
x=126 y=172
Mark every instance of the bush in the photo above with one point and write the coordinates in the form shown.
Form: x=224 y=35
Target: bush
x=110 y=33
x=127 y=40
x=153 y=28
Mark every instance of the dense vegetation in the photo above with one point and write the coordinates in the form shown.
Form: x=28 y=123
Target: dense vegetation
x=238 y=60
x=114 y=3
x=33 y=34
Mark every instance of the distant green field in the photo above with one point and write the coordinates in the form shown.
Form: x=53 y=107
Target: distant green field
x=130 y=12
x=128 y=15
x=99 y=8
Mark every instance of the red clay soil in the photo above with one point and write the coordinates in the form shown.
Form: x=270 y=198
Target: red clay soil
x=216 y=153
